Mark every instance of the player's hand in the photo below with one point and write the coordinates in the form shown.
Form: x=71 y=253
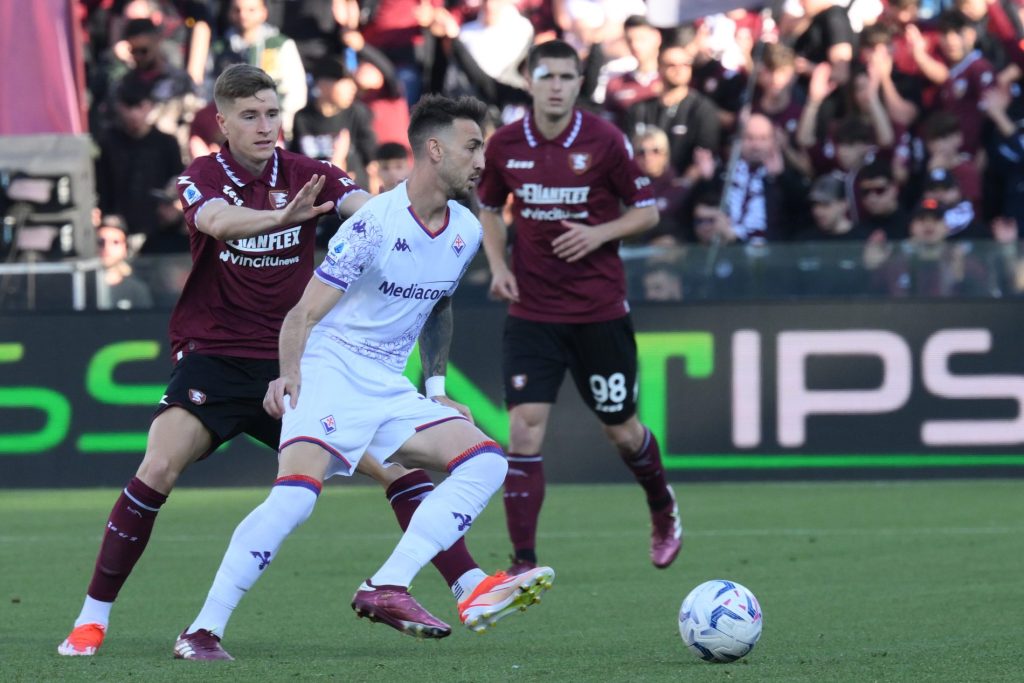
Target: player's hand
x=577 y=241
x=504 y=286
x=304 y=206
x=463 y=410
x=274 y=401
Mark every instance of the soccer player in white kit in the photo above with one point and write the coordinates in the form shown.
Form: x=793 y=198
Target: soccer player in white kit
x=385 y=282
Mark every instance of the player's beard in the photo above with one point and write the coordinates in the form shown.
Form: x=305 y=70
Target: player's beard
x=456 y=187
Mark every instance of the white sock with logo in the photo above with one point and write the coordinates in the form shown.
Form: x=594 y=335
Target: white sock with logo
x=253 y=546
x=445 y=515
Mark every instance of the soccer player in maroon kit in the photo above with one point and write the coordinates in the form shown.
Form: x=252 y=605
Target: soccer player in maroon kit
x=252 y=211
x=568 y=172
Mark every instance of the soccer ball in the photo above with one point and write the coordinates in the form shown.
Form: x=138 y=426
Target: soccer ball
x=720 y=621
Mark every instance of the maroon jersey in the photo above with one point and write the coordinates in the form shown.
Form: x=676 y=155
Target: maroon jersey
x=583 y=175
x=628 y=88
x=961 y=93
x=239 y=291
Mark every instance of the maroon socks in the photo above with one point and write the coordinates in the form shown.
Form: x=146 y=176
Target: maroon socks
x=128 y=529
x=524 y=495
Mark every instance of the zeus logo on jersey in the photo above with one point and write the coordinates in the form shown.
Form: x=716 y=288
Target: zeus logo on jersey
x=535 y=193
x=518 y=163
x=415 y=290
x=231 y=193
x=275 y=241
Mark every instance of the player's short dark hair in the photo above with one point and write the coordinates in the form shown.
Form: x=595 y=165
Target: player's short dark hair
x=553 y=49
x=239 y=81
x=435 y=112
x=140 y=27
x=390 y=151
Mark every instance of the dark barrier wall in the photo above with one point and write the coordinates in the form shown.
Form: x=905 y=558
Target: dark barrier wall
x=771 y=390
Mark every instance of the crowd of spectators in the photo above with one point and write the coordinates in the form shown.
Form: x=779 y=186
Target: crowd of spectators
x=884 y=123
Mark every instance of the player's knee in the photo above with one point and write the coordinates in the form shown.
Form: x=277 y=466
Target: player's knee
x=484 y=462
x=160 y=472
x=627 y=437
x=292 y=500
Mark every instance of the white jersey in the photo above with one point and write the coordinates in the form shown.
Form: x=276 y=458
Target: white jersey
x=393 y=271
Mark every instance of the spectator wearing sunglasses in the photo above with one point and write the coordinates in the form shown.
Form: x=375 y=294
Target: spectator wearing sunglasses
x=169 y=87
x=880 y=202
x=651 y=150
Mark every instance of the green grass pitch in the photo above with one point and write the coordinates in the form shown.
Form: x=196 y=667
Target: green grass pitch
x=898 y=581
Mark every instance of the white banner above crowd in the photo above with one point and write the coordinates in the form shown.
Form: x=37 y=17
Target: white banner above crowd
x=670 y=13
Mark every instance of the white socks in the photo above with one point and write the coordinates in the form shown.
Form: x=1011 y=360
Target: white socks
x=253 y=546
x=446 y=514
x=94 y=612
x=467 y=583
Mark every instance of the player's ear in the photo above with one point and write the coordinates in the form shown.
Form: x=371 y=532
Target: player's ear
x=221 y=120
x=435 y=149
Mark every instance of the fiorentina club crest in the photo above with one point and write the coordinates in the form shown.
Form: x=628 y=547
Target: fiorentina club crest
x=279 y=198
x=518 y=382
x=196 y=396
x=458 y=245
x=329 y=424
x=579 y=162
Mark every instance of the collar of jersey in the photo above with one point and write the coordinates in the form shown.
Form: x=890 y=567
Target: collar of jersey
x=565 y=138
x=241 y=177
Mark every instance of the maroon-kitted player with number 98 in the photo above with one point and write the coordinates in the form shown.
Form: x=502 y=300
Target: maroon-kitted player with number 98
x=569 y=173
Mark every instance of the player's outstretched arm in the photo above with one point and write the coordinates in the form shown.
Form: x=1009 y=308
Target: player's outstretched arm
x=316 y=301
x=435 y=342
x=503 y=282
x=229 y=222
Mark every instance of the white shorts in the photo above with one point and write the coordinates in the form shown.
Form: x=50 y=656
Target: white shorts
x=351 y=405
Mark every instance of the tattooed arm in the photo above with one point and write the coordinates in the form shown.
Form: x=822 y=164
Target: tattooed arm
x=435 y=341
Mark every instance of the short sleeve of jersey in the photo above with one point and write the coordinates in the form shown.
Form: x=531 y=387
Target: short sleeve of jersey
x=355 y=246
x=199 y=184
x=492 y=190
x=632 y=186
